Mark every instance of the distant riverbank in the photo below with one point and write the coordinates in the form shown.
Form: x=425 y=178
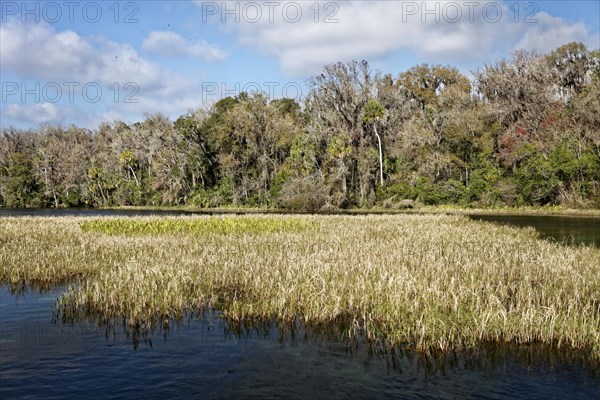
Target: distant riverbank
x=424 y=210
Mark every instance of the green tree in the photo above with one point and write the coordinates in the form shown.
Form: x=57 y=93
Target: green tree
x=423 y=83
x=23 y=190
x=373 y=113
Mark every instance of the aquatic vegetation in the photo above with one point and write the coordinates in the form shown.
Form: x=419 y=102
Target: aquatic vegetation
x=425 y=281
x=197 y=226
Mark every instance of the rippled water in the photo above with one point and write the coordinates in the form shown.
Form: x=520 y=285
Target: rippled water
x=202 y=358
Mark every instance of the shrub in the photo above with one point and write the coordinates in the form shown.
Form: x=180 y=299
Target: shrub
x=303 y=194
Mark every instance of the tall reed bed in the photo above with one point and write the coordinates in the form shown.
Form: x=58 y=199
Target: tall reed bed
x=425 y=281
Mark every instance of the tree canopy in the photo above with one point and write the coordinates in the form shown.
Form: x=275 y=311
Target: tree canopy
x=525 y=131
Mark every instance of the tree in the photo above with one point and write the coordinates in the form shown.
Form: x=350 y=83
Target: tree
x=528 y=134
x=303 y=193
x=22 y=187
x=17 y=149
x=373 y=112
x=569 y=65
x=423 y=83
x=253 y=138
x=520 y=88
x=129 y=163
x=335 y=106
x=64 y=173
x=201 y=163
x=97 y=183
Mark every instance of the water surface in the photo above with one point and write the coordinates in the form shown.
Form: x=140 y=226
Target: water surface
x=203 y=358
x=562 y=229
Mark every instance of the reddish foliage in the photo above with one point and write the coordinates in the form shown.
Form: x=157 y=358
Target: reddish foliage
x=520 y=130
x=548 y=122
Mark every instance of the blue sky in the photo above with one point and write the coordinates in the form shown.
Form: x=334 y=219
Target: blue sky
x=86 y=62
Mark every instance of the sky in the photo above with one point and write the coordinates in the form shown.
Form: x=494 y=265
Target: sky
x=89 y=62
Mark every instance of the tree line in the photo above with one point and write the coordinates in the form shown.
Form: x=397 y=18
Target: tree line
x=524 y=131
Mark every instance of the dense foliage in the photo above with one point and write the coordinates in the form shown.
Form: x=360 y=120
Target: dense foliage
x=526 y=131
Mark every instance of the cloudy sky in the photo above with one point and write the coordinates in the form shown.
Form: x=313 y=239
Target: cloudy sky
x=90 y=62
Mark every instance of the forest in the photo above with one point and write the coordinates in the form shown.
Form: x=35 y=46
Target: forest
x=523 y=131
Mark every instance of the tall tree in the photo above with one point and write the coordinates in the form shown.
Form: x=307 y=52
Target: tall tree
x=335 y=105
x=373 y=113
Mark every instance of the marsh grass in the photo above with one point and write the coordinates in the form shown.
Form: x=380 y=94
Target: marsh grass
x=197 y=226
x=426 y=282
x=525 y=210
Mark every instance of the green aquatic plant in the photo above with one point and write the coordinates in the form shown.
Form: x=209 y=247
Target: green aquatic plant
x=197 y=226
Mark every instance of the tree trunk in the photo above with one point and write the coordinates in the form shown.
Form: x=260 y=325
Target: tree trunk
x=137 y=183
x=380 y=156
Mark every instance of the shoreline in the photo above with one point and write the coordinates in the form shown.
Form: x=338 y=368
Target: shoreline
x=425 y=210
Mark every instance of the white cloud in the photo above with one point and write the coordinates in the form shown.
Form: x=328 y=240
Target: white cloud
x=552 y=32
x=37 y=113
x=39 y=54
x=373 y=29
x=34 y=50
x=171 y=44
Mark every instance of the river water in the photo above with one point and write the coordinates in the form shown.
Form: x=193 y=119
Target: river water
x=561 y=229
x=206 y=358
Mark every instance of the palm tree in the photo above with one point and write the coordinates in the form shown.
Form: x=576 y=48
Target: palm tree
x=373 y=112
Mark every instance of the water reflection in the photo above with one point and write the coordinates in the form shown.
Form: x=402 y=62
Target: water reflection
x=561 y=229
x=204 y=356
